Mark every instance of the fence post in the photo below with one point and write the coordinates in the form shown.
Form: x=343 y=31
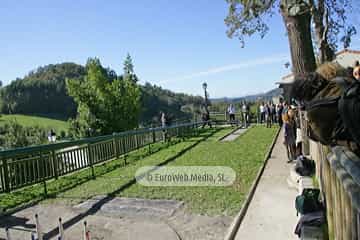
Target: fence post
x=136 y=141
x=90 y=154
x=6 y=175
x=153 y=136
x=116 y=148
x=55 y=164
x=124 y=150
x=42 y=167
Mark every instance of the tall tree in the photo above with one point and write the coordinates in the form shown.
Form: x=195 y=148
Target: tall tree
x=106 y=103
x=247 y=17
x=331 y=26
x=129 y=69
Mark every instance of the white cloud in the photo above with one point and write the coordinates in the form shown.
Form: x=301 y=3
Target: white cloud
x=246 y=64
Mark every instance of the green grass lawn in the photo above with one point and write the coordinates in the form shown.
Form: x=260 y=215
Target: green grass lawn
x=85 y=186
x=245 y=155
x=43 y=122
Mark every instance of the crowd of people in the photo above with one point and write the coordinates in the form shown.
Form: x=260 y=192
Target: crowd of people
x=286 y=116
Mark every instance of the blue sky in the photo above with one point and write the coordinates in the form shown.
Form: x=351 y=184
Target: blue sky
x=175 y=44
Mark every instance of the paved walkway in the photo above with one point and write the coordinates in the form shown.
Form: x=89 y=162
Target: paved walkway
x=235 y=134
x=271 y=213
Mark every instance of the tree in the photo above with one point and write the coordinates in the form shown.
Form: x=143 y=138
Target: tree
x=129 y=69
x=247 y=17
x=106 y=103
x=331 y=26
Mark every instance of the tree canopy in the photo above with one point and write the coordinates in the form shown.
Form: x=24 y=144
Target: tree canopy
x=331 y=25
x=106 y=103
x=43 y=92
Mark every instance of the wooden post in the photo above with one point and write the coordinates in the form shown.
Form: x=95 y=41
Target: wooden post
x=136 y=141
x=55 y=164
x=124 y=150
x=6 y=175
x=42 y=167
x=90 y=156
x=115 y=145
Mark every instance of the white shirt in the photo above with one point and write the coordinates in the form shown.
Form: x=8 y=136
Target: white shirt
x=262 y=108
x=231 y=110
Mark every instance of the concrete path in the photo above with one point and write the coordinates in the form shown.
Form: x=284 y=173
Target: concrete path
x=235 y=135
x=271 y=213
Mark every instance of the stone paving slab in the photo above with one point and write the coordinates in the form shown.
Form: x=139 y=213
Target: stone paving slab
x=235 y=135
x=134 y=207
x=119 y=218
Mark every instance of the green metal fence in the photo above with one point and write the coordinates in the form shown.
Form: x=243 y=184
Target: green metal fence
x=30 y=165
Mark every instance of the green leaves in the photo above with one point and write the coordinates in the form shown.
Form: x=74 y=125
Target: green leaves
x=106 y=103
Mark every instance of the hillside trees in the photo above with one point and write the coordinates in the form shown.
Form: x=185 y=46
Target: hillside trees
x=42 y=92
x=106 y=103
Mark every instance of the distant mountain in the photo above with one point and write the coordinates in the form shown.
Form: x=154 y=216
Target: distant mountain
x=267 y=96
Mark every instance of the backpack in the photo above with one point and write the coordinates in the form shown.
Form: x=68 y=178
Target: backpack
x=304 y=166
x=308 y=201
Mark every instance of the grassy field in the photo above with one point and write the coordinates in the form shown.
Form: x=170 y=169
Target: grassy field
x=158 y=153
x=245 y=155
x=28 y=121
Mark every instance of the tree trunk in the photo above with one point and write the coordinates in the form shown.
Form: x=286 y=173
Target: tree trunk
x=297 y=19
x=321 y=27
x=301 y=47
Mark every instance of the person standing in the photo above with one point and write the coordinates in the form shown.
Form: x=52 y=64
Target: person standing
x=206 y=119
x=273 y=113
x=245 y=113
x=268 y=115
x=262 y=113
x=163 y=119
x=290 y=134
x=231 y=111
x=280 y=109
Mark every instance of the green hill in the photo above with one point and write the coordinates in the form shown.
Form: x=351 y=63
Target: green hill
x=31 y=121
x=43 y=92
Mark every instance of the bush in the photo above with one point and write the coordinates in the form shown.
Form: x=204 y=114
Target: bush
x=14 y=135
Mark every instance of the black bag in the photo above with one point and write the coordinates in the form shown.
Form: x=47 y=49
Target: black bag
x=308 y=201
x=315 y=219
x=304 y=166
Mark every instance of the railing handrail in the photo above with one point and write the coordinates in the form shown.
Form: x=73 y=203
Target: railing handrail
x=61 y=145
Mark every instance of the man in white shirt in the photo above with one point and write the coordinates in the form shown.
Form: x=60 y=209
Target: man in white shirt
x=231 y=111
x=262 y=113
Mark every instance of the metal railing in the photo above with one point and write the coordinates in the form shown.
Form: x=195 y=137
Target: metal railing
x=30 y=165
